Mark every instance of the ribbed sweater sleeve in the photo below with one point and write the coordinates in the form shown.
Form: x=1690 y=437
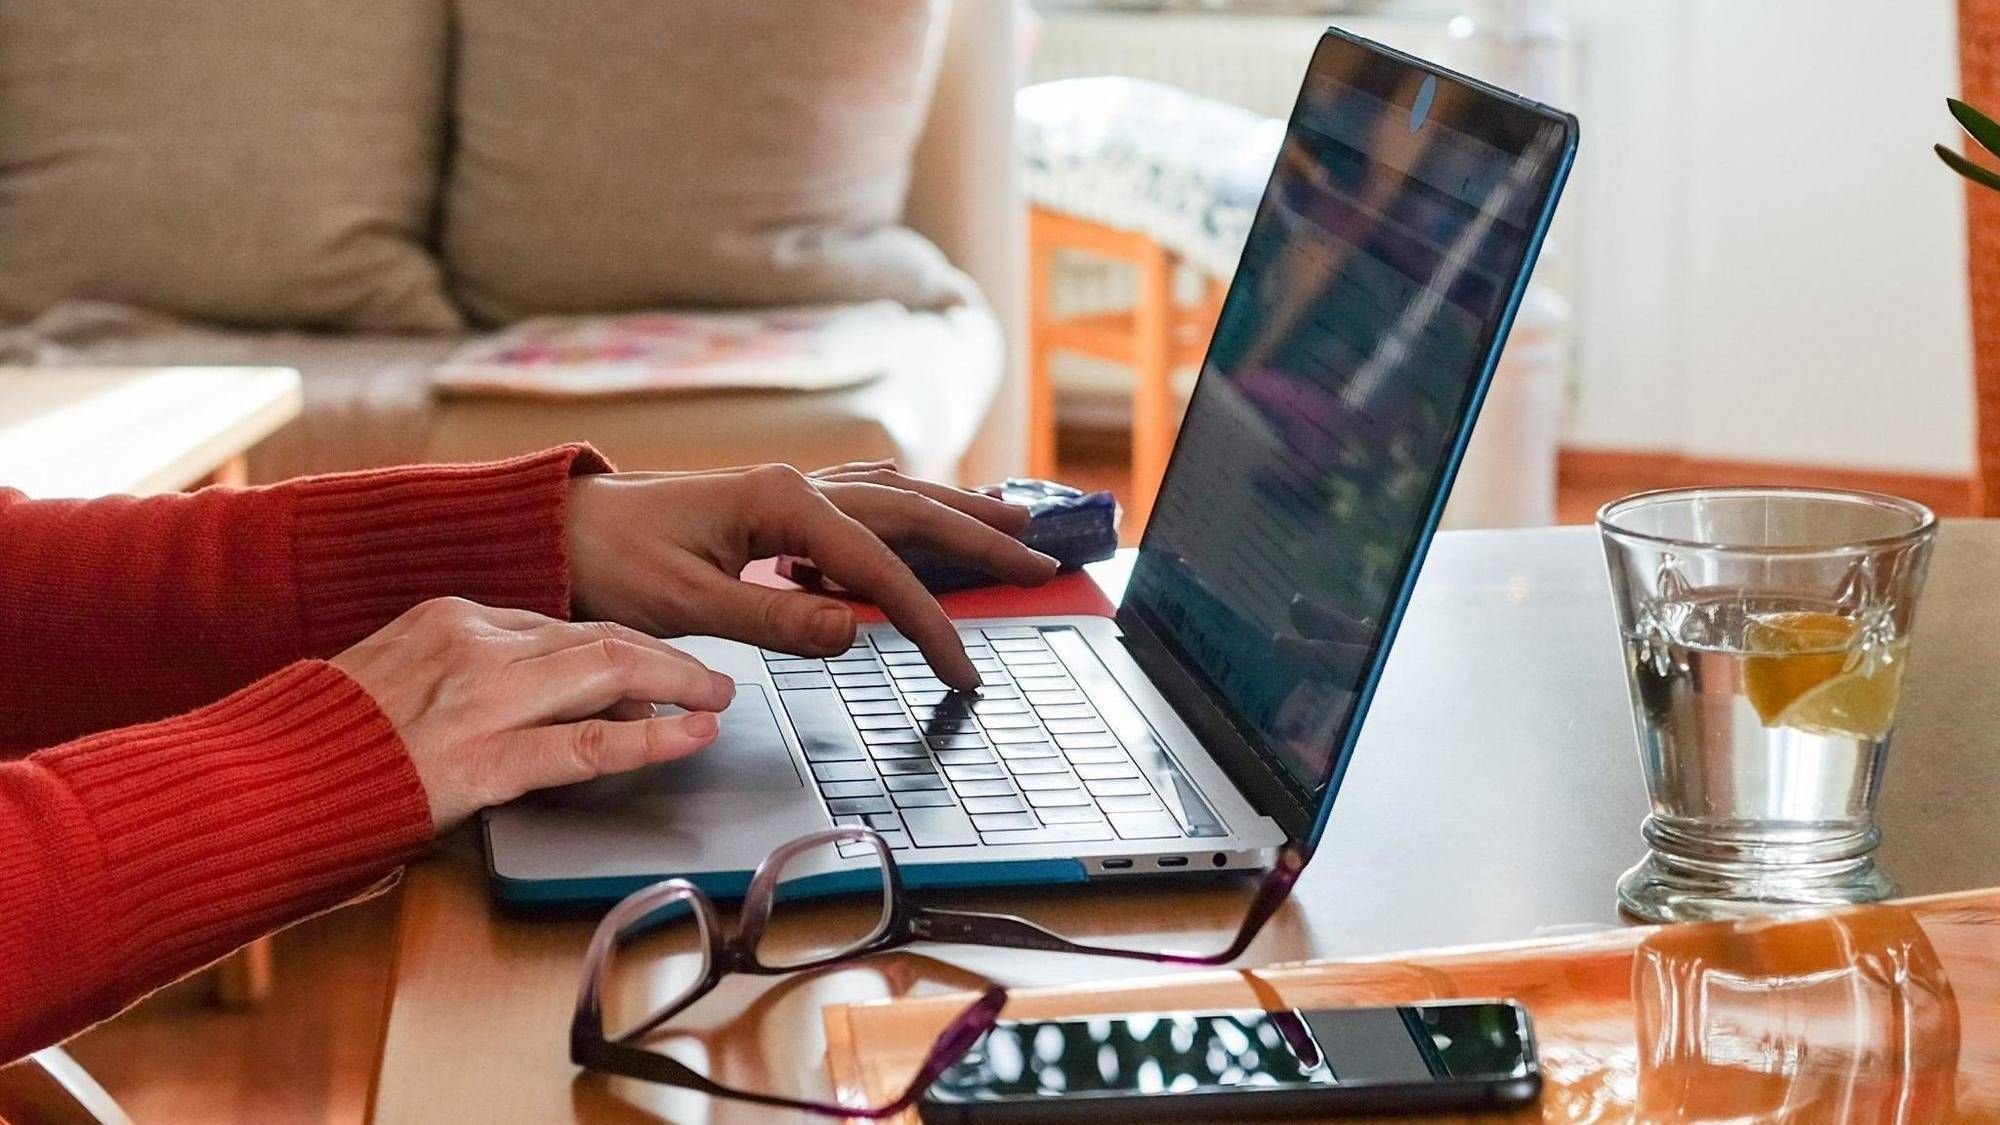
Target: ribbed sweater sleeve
x=123 y=610
x=129 y=858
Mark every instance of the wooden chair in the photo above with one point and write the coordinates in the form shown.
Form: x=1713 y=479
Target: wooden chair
x=1979 y=79
x=1158 y=337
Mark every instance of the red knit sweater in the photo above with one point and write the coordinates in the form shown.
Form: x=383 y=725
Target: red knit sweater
x=131 y=856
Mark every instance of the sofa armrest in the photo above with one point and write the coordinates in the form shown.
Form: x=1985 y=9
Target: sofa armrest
x=964 y=196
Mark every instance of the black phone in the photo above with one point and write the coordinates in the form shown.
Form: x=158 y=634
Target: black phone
x=1445 y=1057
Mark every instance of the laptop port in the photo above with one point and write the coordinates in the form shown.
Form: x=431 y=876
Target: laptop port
x=1116 y=864
x=1219 y=860
x=1172 y=861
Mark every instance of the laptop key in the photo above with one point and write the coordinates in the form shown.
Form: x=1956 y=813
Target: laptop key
x=853 y=664
x=1011 y=632
x=844 y=821
x=941 y=827
x=964 y=757
x=901 y=733
x=1119 y=787
x=858 y=679
x=868 y=694
x=957 y=741
x=888 y=641
x=1145 y=825
x=1008 y=722
x=923 y=799
x=925 y=682
x=887 y=721
x=1061 y=799
x=910 y=671
x=843 y=771
x=1074 y=726
x=1027 y=659
x=874 y=707
x=1001 y=822
x=911 y=782
x=1016 y=644
x=833 y=789
x=1023 y=767
x=1145 y=803
x=1088 y=739
x=860 y=805
x=897 y=841
x=1067 y=711
x=821 y=723
x=1039 y=698
x=944 y=728
x=1015 y=751
x=1000 y=690
x=891 y=750
x=909 y=656
x=1067 y=814
x=984 y=788
x=974 y=773
x=1096 y=755
x=1097 y=771
x=925 y=698
x=786 y=667
x=988 y=666
x=1016 y=734
x=1053 y=834
x=885 y=822
x=795 y=681
x=1045 y=782
x=1001 y=707
x=906 y=766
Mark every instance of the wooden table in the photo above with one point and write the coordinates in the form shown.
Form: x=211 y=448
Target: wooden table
x=1494 y=796
x=76 y=431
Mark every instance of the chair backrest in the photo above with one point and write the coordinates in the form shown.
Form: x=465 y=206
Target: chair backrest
x=1979 y=81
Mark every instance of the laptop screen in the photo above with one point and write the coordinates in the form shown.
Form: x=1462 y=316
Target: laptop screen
x=1381 y=266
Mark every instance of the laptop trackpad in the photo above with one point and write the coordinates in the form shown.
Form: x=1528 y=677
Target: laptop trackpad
x=748 y=755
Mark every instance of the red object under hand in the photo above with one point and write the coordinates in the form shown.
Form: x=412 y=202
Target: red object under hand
x=1066 y=595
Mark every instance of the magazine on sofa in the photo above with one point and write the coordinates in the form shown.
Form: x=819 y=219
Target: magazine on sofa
x=803 y=348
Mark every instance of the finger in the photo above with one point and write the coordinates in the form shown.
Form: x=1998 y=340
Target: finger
x=807 y=523
x=852 y=468
x=990 y=510
x=573 y=752
x=900 y=516
x=784 y=620
x=627 y=710
x=586 y=678
x=556 y=635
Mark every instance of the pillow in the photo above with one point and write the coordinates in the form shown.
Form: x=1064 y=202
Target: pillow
x=614 y=155
x=253 y=162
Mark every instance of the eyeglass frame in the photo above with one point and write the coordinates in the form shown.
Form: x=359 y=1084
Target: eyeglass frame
x=903 y=922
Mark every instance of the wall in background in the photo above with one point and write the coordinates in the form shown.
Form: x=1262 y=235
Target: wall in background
x=1772 y=264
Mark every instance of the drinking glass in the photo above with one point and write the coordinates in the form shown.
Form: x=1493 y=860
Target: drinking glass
x=1766 y=634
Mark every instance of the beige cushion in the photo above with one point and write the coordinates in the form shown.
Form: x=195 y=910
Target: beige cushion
x=256 y=162
x=628 y=154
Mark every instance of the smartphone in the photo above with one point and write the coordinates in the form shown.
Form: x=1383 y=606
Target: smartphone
x=1446 y=1057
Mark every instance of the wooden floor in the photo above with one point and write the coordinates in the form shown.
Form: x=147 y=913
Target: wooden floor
x=304 y=1059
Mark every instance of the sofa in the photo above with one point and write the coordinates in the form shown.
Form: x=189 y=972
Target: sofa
x=948 y=405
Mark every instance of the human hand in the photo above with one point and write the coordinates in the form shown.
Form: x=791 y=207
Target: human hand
x=662 y=552
x=493 y=703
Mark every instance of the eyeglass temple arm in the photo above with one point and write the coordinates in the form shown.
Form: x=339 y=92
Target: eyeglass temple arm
x=1006 y=930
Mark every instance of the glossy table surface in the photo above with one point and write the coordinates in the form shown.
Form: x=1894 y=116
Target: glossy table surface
x=1495 y=796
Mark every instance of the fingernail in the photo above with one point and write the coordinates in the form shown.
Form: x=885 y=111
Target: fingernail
x=724 y=686
x=831 y=627
x=700 y=724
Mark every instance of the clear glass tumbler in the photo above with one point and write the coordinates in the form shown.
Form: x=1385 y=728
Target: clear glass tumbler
x=1766 y=632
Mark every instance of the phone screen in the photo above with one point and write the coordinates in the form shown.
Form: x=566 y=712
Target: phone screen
x=1215 y=1052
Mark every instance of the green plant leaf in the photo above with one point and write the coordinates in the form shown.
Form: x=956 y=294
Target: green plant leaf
x=1976 y=123
x=1984 y=177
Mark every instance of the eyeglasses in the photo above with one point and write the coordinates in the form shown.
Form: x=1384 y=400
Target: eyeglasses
x=900 y=922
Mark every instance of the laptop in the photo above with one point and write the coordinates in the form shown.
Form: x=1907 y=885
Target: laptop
x=1214 y=716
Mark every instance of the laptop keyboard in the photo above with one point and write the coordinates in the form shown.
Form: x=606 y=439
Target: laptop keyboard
x=1027 y=759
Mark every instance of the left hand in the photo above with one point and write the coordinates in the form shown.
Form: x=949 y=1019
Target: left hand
x=662 y=552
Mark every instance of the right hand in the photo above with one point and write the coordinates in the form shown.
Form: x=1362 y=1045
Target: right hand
x=493 y=703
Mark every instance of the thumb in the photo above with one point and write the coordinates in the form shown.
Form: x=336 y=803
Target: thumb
x=786 y=620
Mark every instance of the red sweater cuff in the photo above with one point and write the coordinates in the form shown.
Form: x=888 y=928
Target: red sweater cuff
x=372 y=544
x=219 y=825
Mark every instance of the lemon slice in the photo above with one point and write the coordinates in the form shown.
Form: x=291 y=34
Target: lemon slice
x=1852 y=705
x=1792 y=654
